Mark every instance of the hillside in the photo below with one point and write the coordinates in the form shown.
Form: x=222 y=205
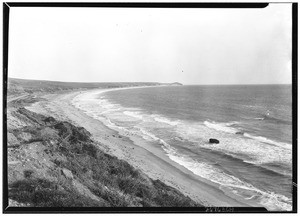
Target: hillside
x=17 y=86
x=54 y=163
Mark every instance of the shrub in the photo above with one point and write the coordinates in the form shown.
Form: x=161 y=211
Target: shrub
x=90 y=150
x=40 y=192
x=112 y=197
x=28 y=173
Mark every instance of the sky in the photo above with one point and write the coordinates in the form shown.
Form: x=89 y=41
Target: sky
x=190 y=46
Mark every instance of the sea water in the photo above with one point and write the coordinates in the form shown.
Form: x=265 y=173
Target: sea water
x=252 y=122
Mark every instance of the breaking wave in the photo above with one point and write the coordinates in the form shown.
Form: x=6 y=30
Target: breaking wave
x=250 y=148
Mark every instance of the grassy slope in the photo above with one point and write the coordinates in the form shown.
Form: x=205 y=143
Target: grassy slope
x=54 y=163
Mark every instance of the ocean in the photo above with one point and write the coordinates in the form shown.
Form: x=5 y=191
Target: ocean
x=252 y=122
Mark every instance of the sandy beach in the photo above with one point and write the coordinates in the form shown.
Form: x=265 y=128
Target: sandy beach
x=141 y=154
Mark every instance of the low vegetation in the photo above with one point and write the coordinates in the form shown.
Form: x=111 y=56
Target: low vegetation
x=65 y=168
x=42 y=193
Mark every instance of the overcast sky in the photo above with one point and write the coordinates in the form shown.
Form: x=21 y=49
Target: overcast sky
x=191 y=46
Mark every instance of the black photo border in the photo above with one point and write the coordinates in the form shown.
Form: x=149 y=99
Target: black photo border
x=6 y=10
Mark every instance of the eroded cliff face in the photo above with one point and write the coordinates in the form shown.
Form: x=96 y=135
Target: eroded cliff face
x=40 y=151
x=55 y=163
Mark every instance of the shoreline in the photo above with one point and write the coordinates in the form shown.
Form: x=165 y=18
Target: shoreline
x=148 y=158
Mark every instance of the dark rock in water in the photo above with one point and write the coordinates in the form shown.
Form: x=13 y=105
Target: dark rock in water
x=240 y=133
x=214 y=141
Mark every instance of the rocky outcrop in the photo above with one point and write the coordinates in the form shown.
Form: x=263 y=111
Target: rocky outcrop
x=67 y=173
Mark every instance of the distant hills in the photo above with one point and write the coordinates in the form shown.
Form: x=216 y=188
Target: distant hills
x=16 y=85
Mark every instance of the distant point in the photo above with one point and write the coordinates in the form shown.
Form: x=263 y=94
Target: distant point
x=176 y=83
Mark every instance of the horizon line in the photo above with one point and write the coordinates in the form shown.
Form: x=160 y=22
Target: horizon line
x=186 y=84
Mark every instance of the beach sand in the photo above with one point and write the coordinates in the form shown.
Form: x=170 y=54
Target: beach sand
x=143 y=155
